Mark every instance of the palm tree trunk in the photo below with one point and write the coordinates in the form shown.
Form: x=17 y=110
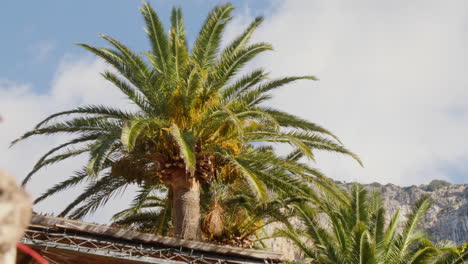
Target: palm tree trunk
x=185 y=206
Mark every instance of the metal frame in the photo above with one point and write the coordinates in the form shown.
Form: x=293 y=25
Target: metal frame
x=92 y=244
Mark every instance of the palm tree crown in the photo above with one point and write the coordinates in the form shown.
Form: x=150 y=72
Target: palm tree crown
x=195 y=124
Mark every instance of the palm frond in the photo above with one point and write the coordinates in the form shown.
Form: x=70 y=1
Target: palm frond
x=40 y=163
x=68 y=153
x=157 y=36
x=78 y=177
x=177 y=41
x=231 y=63
x=133 y=94
x=251 y=177
x=94 y=196
x=186 y=146
x=208 y=41
x=100 y=110
x=100 y=151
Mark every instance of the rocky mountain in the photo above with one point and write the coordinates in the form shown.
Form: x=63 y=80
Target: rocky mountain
x=446 y=220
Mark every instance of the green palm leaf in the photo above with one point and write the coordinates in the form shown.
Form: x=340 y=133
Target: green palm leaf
x=157 y=36
x=186 y=146
x=208 y=41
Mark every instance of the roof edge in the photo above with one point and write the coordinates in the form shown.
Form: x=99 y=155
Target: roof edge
x=135 y=236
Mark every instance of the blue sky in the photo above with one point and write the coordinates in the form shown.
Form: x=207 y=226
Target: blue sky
x=37 y=34
x=392 y=75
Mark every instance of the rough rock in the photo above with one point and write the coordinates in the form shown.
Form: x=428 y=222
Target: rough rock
x=447 y=219
x=15 y=213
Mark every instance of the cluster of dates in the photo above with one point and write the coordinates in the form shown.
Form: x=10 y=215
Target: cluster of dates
x=144 y=169
x=205 y=168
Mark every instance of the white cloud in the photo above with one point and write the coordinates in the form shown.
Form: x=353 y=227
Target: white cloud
x=42 y=49
x=76 y=82
x=392 y=86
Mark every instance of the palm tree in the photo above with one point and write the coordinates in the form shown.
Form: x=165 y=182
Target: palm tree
x=356 y=233
x=196 y=122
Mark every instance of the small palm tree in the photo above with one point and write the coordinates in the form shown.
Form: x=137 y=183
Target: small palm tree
x=235 y=217
x=196 y=122
x=356 y=233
